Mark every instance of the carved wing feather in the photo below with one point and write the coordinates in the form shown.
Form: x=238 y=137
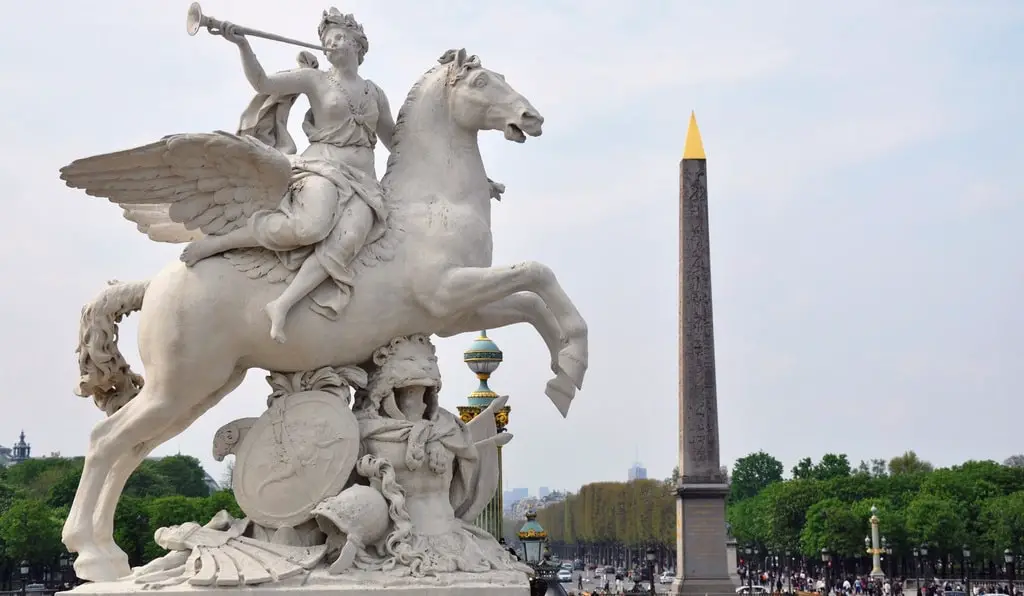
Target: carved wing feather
x=186 y=185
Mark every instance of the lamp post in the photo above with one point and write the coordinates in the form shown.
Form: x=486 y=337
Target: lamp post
x=651 y=555
x=789 y=570
x=924 y=564
x=874 y=548
x=25 y=568
x=749 y=552
x=1011 y=572
x=826 y=558
x=65 y=562
x=967 y=570
x=917 y=569
x=536 y=555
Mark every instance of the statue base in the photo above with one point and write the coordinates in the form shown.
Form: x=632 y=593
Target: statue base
x=320 y=583
x=702 y=568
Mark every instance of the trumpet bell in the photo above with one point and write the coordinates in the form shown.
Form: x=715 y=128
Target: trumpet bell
x=194 y=19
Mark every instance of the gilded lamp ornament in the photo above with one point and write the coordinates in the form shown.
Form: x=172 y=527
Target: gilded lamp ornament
x=483 y=357
x=533 y=536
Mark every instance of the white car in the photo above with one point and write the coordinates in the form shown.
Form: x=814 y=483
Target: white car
x=564 y=575
x=667 y=577
x=757 y=590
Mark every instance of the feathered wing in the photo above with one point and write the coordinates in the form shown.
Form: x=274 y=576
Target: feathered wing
x=186 y=185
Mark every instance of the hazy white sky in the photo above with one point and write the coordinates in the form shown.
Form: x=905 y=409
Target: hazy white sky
x=865 y=184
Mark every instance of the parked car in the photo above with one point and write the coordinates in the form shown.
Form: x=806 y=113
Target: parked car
x=667 y=577
x=757 y=590
x=565 y=575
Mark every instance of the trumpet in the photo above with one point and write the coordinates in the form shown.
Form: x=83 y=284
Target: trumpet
x=196 y=20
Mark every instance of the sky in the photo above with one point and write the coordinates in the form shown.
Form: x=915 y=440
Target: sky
x=865 y=189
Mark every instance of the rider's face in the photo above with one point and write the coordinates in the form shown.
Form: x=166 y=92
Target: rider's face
x=340 y=44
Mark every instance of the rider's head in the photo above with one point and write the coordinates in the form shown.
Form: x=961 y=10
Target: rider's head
x=342 y=31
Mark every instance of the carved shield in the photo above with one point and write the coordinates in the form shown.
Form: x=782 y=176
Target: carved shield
x=299 y=452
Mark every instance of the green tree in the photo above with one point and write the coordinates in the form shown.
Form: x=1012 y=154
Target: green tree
x=185 y=474
x=30 y=531
x=832 y=466
x=908 y=463
x=752 y=473
x=803 y=470
x=935 y=520
x=832 y=524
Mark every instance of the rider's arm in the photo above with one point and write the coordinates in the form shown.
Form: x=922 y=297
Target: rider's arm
x=385 y=121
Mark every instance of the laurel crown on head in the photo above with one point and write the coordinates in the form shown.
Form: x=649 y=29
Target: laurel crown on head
x=335 y=18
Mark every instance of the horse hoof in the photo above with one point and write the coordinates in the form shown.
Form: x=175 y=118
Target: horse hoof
x=560 y=390
x=102 y=568
x=573 y=365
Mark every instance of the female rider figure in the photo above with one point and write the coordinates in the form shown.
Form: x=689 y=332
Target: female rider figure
x=335 y=206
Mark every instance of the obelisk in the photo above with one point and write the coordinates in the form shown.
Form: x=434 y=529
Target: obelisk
x=700 y=507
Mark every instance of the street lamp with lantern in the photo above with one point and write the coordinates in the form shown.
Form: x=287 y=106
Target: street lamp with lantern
x=924 y=561
x=25 y=568
x=1011 y=572
x=651 y=555
x=789 y=569
x=826 y=559
x=967 y=569
x=747 y=550
x=917 y=568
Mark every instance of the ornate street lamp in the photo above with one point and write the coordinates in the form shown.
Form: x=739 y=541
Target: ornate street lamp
x=25 y=568
x=651 y=555
x=789 y=569
x=924 y=562
x=1011 y=572
x=533 y=536
x=917 y=568
x=747 y=550
x=967 y=569
x=826 y=558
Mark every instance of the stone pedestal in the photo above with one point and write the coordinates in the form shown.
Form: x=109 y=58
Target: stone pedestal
x=320 y=583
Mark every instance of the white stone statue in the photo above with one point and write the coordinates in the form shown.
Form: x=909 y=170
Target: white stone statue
x=412 y=255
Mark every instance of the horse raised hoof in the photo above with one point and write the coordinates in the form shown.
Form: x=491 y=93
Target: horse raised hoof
x=573 y=362
x=560 y=390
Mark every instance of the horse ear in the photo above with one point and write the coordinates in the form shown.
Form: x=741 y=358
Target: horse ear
x=460 y=58
x=447 y=57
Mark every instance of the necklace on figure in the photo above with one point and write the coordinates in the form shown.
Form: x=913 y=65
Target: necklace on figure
x=357 y=113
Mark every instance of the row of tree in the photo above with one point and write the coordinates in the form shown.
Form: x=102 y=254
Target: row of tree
x=36 y=495
x=824 y=504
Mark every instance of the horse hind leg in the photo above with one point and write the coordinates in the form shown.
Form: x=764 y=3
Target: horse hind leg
x=126 y=463
x=523 y=307
x=116 y=446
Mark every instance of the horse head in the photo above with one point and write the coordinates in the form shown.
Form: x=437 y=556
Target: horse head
x=481 y=99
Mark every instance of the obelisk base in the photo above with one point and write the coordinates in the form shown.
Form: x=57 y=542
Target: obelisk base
x=702 y=567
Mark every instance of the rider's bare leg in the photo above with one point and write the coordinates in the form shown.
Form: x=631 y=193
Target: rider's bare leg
x=208 y=246
x=346 y=241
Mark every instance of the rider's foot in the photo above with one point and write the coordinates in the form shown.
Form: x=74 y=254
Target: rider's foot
x=277 y=313
x=197 y=250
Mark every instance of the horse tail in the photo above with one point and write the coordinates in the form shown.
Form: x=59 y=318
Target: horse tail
x=105 y=375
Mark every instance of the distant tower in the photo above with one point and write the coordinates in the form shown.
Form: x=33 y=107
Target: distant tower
x=483 y=357
x=21 y=450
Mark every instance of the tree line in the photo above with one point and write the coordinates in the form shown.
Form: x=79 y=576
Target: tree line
x=36 y=495
x=822 y=505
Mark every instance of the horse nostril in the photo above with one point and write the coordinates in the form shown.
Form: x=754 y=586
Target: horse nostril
x=529 y=116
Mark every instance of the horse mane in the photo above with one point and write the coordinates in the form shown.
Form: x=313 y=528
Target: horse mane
x=456 y=64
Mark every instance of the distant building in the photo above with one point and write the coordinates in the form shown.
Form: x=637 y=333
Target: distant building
x=16 y=454
x=512 y=495
x=637 y=472
x=543 y=492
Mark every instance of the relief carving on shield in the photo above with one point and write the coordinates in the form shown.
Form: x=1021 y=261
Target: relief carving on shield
x=300 y=451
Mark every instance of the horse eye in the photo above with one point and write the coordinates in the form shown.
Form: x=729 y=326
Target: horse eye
x=480 y=81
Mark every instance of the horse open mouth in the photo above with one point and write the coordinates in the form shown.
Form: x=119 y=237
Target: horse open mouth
x=514 y=133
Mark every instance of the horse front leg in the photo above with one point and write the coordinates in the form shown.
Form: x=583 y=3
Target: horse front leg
x=522 y=307
x=466 y=289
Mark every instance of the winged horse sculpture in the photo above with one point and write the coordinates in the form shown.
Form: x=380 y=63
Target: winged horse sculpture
x=202 y=327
